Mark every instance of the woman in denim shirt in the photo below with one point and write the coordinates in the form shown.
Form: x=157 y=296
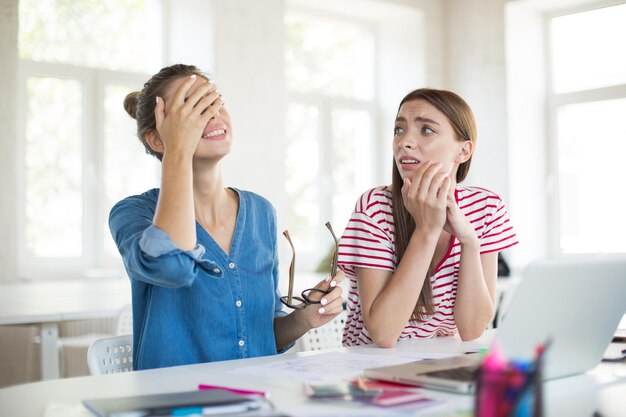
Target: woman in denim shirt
x=202 y=259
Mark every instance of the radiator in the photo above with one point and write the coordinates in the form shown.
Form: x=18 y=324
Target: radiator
x=74 y=340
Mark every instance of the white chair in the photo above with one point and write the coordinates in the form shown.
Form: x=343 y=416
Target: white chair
x=110 y=355
x=326 y=337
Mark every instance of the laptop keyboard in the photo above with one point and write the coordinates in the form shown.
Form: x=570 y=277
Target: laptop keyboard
x=467 y=373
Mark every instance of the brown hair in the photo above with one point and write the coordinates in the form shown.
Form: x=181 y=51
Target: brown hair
x=462 y=120
x=140 y=104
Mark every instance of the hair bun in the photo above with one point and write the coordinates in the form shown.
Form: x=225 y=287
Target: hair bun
x=130 y=103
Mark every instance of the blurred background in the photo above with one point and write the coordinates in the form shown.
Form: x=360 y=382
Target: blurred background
x=313 y=88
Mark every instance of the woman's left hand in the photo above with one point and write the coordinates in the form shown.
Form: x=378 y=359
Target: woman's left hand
x=456 y=223
x=331 y=305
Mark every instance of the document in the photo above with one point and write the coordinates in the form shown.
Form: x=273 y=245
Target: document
x=330 y=366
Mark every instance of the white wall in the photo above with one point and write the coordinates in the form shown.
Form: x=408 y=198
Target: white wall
x=476 y=71
x=8 y=127
x=249 y=68
x=527 y=132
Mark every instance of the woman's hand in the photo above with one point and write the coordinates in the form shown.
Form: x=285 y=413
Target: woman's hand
x=425 y=195
x=194 y=103
x=331 y=305
x=457 y=224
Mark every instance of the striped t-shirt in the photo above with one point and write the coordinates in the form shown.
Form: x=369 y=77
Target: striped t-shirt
x=368 y=242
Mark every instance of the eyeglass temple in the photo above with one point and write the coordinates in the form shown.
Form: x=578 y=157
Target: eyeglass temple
x=333 y=266
x=291 y=267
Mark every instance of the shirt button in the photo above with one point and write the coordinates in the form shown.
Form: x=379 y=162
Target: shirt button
x=231 y=265
x=217 y=270
x=241 y=343
x=238 y=303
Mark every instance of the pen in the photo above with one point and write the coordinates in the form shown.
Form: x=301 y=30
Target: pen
x=234 y=390
x=534 y=378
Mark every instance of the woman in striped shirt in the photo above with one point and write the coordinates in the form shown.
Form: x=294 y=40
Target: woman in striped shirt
x=421 y=254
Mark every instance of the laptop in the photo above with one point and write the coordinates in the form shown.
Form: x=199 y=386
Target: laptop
x=577 y=304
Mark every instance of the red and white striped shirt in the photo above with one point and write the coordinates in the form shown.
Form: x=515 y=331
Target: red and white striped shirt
x=368 y=242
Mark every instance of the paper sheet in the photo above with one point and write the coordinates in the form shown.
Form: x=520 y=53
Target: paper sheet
x=331 y=366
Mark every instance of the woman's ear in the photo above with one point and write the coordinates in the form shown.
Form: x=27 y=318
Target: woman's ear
x=154 y=141
x=465 y=151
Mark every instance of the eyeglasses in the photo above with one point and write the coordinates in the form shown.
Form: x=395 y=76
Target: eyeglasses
x=305 y=297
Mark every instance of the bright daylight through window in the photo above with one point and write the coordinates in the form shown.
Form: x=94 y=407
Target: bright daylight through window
x=330 y=119
x=589 y=97
x=80 y=153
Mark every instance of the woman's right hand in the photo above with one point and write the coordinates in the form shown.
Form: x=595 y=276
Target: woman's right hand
x=425 y=195
x=193 y=104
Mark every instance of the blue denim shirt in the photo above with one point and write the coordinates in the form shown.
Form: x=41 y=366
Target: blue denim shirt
x=201 y=305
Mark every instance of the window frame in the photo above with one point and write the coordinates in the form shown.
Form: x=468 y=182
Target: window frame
x=93 y=261
x=554 y=101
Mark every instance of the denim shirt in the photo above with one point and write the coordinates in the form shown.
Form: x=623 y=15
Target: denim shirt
x=201 y=305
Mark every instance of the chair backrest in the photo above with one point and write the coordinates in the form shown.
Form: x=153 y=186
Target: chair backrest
x=110 y=355
x=326 y=337
x=124 y=323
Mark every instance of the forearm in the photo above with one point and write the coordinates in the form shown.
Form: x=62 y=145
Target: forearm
x=175 y=210
x=473 y=307
x=392 y=308
x=289 y=328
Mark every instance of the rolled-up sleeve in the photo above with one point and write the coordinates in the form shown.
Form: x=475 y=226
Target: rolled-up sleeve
x=148 y=252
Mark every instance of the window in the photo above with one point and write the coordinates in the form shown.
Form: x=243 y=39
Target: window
x=329 y=126
x=80 y=153
x=588 y=99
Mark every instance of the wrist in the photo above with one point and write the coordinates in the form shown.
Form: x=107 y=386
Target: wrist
x=299 y=317
x=470 y=243
x=426 y=235
x=176 y=158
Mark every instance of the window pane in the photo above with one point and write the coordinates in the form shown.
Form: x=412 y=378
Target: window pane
x=54 y=209
x=329 y=57
x=112 y=34
x=302 y=169
x=128 y=169
x=592 y=142
x=352 y=163
x=585 y=49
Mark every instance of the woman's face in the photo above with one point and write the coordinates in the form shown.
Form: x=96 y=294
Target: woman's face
x=216 y=138
x=423 y=133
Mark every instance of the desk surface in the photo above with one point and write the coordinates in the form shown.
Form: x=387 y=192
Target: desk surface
x=603 y=389
x=53 y=301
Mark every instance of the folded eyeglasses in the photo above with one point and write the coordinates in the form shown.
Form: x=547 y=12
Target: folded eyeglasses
x=299 y=303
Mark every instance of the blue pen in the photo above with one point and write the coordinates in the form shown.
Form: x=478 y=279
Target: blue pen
x=217 y=409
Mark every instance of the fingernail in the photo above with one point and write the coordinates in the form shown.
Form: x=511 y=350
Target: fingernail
x=322 y=310
x=333 y=284
x=324 y=301
x=193 y=76
x=157 y=100
x=211 y=81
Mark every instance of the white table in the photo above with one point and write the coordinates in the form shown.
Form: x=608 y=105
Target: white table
x=603 y=389
x=47 y=303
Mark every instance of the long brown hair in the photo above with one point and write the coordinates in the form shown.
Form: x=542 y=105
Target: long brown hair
x=462 y=120
x=140 y=104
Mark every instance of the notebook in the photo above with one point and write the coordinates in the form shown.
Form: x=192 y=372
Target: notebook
x=211 y=402
x=576 y=303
